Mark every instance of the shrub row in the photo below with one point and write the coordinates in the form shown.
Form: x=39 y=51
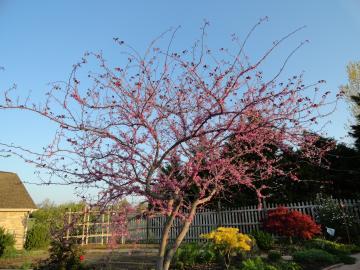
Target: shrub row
x=7 y=242
x=321 y=257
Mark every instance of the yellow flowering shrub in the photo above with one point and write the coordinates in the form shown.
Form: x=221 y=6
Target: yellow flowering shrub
x=228 y=241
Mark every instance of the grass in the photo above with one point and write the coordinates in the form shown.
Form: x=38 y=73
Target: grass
x=22 y=259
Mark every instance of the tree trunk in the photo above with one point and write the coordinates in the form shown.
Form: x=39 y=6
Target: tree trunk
x=171 y=252
x=165 y=238
x=165 y=256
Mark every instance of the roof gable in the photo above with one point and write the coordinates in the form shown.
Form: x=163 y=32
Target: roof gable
x=13 y=194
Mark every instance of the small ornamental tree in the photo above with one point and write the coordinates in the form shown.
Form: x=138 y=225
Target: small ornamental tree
x=285 y=222
x=228 y=241
x=119 y=126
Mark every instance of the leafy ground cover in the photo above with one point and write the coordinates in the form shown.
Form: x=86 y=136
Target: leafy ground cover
x=312 y=254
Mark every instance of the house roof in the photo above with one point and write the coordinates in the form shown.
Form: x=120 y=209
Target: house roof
x=13 y=194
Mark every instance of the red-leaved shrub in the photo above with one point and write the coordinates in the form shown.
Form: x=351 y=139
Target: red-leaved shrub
x=288 y=223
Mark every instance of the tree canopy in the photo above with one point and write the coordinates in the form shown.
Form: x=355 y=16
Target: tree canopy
x=119 y=126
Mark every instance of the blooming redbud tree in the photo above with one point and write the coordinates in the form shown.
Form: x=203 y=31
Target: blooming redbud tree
x=119 y=126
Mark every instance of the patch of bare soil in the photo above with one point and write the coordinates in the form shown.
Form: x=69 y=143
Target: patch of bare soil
x=130 y=260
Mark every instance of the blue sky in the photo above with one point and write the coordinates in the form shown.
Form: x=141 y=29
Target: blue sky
x=41 y=40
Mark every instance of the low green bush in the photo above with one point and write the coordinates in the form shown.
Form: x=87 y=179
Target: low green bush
x=26 y=266
x=64 y=254
x=257 y=264
x=264 y=240
x=190 y=254
x=274 y=255
x=354 y=248
x=37 y=237
x=342 y=251
x=10 y=252
x=284 y=265
x=346 y=259
x=330 y=213
x=7 y=242
x=329 y=246
x=315 y=256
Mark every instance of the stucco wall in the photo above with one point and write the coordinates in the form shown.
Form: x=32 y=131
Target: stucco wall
x=15 y=223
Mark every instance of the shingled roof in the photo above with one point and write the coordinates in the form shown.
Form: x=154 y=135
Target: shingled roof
x=13 y=194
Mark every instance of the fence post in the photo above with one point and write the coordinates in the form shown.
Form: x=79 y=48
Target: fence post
x=265 y=209
x=87 y=226
x=108 y=227
x=102 y=228
x=147 y=229
x=218 y=213
x=313 y=209
x=83 y=226
x=68 y=225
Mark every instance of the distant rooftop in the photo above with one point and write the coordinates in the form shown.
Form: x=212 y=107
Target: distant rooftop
x=13 y=193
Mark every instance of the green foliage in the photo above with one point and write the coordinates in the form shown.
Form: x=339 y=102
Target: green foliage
x=274 y=255
x=346 y=259
x=10 y=252
x=37 y=237
x=331 y=214
x=355 y=129
x=190 y=254
x=264 y=240
x=53 y=215
x=330 y=246
x=315 y=256
x=256 y=264
x=26 y=266
x=341 y=251
x=354 y=248
x=64 y=255
x=343 y=171
x=284 y=265
x=48 y=217
x=7 y=242
x=352 y=92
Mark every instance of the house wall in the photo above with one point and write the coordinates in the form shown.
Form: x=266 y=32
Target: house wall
x=15 y=223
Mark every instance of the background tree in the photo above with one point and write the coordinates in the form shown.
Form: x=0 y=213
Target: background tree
x=45 y=220
x=352 y=92
x=339 y=178
x=355 y=129
x=119 y=126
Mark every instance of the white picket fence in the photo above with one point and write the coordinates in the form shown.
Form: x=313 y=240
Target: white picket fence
x=245 y=218
x=148 y=230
